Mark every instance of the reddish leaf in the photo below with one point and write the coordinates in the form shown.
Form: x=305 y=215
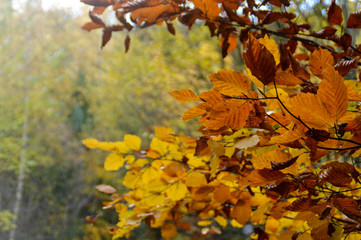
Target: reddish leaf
x=324 y=32
x=259 y=60
x=91 y=26
x=354 y=20
x=283 y=189
x=334 y=14
x=190 y=17
x=302 y=204
x=297 y=69
x=338 y=174
x=349 y=206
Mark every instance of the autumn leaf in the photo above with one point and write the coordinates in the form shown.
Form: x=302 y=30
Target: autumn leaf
x=333 y=93
x=319 y=59
x=168 y=231
x=334 y=14
x=177 y=191
x=184 y=95
x=354 y=20
x=230 y=82
x=338 y=174
x=113 y=162
x=259 y=60
x=105 y=188
x=132 y=141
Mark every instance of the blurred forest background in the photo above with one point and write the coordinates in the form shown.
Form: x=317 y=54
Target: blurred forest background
x=58 y=87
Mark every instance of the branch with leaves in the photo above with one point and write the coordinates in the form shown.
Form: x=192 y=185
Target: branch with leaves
x=279 y=140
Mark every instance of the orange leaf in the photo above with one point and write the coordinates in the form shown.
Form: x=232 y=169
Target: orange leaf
x=287 y=79
x=184 y=96
x=333 y=93
x=315 y=117
x=169 y=230
x=91 y=26
x=194 y=111
x=242 y=211
x=259 y=60
x=319 y=59
x=230 y=82
x=209 y=7
x=264 y=177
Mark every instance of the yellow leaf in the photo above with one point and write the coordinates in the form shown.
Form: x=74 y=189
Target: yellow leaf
x=164 y=134
x=221 y=221
x=272 y=224
x=121 y=147
x=91 y=143
x=177 y=191
x=168 y=230
x=185 y=95
x=149 y=174
x=216 y=147
x=271 y=46
x=204 y=223
x=159 y=146
x=196 y=179
x=235 y=224
x=132 y=141
x=194 y=161
x=113 y=162
x=132 y=179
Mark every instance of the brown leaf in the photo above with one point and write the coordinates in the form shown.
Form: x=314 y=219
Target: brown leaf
x=354 y=20
x=344 y=66
x=127 y=43
x=98 y=3
x=319 y=59
x=297 y=69
x=105 y=188
x=338 y=174
x=334 y=14
x=282 y=165
x=259 y=60
x=170 y=28
x=302 y=204
x=168 y=230
x=283 y=189
x=325 y=32
x=96 y=19
x=190 y=17
x=349 y=206
x=107 y=35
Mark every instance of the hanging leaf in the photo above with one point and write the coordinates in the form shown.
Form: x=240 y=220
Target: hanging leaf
x=334 y=14
x=338 y=174
x=170 y=28
x=354 y=20
x=259 y=60
x=127 y=43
